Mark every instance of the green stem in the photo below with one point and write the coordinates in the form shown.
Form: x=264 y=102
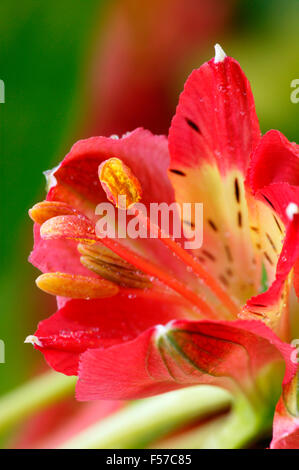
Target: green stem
x=235 y=430
x=146 y=420
x=33 y=396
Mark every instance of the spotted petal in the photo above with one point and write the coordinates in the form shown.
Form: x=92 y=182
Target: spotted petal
x=273 y=178
x=272 y=304
x=211 y=138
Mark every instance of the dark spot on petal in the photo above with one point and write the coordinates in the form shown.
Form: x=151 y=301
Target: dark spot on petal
x=191 y=224
x=240 y=219
x=213 y=225
x=237 y=190
x=192 y=125
x=278 y=224
x=257 y=313
x=271 y=242
x=224 y=280
x=229 y=272
x=268 y=258
x=177 y=172
x=258 y=245
x=268 y=201
x=255 y=229
x=208 y=255
x=228 y=253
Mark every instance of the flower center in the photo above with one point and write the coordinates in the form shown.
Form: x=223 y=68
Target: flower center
x=117 y=180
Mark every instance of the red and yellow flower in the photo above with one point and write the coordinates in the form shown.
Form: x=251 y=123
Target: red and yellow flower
x=142 y=317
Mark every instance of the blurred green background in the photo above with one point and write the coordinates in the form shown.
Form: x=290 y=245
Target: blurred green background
x=74 y=69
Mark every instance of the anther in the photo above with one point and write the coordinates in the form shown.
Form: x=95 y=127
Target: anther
x=110 y=266
x=76 y=286
x=117 y=179
x=44 y=210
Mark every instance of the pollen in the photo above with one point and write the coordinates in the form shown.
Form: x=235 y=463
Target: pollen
x=119 y=183
x=75 y=286
x=45 y=210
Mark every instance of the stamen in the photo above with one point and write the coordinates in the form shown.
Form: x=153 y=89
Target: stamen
x=117 y=179
x=102 y=254
x=42 y=211
x=75 y=286
x=73 y=227
x=189 y=260
x=155 y=271
x=110 y=266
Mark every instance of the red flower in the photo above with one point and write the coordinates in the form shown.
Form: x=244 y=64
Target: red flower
x=163 y=321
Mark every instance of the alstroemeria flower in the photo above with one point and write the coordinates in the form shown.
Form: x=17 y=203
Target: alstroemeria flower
x=142 y=321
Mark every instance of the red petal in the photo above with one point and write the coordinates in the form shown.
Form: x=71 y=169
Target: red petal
x=296 y=277
x=286 y=419
x=215 y=121
x=182 y=354
x=275 y=160
x=56 y=255
x=211 y=138
x=146 y=155
x=271 y=304
x=83 y=324
x=278 y=196
x=273 y=174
